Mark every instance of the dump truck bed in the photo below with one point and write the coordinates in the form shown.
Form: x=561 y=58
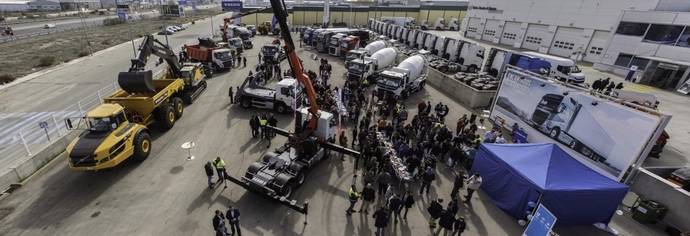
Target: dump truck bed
x=145 y=103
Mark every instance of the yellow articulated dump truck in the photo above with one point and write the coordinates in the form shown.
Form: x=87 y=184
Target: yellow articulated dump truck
x=118 y=129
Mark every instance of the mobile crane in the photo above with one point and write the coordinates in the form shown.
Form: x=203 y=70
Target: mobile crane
x=279 y=172
x=118 y=129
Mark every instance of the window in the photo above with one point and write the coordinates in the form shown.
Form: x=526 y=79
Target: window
x=534 y=40
x=641 y=63
x=509 y=36
x=563 y=45
x=490 y=32
x=472 y=29
x=631 y=28
x=623 y=60
x=596 y=50
x=663 y=34
x=684 y=40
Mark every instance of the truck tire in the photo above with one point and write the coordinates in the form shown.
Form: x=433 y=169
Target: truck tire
x=554 y=132
x=472 y=69
x=281 y=108
x=287 y=190
x=179 y=107
x=142 y=146
x=165 y=117
x=187 y=98
x=246 y=103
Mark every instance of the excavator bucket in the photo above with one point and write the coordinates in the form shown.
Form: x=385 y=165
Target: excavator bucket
x=136 y=82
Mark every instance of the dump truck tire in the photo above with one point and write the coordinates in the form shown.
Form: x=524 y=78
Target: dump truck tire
x=142 y=146
x=179 y=107
x=166 y=117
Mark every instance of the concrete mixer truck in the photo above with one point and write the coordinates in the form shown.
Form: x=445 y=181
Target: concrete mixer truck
x=369 y=67
x=370 y=49
x=406 y=78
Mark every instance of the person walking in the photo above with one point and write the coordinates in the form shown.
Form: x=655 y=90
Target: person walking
x=383 y=179
x=218 y=221
x=368 y=196
x=254 y=125
x=459 y=226
x=381 y=220
x=233 y=215
x=458 y=183
x=263 y=121
x=435 y=209
x=239 y=60
x=427 y=177
x=209 y=173
x=353 y=196
x=259 y=58
x=395 y=205
x=231 y=94
x=473 y=183
x=408 y=202
x=220 y=169
x=446 y=222
x=273 y=122
x=244 y=62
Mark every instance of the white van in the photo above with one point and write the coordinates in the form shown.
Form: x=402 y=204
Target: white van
x=563 y=69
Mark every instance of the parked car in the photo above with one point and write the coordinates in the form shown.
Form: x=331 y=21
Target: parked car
x=48 y=26
x=166 y=32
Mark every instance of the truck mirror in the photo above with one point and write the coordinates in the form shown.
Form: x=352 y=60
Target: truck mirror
x=68 y=123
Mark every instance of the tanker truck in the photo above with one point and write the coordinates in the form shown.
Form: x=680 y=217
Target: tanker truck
x=369 y=67
x=406 y=78
x=366 y=51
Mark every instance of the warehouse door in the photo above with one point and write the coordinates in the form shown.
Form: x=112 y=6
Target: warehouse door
x=596 y=46
x=491 y=29
x=535 y=36
x=511 y=33
x=473 y=28
x=568 y=42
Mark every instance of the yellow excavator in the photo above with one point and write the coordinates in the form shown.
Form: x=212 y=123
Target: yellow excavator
x=118 y=129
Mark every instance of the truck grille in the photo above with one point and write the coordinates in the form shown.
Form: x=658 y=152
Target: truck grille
x=83 y=161
x=261 y=178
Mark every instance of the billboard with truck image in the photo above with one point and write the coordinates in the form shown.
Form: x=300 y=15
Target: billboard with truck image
x=602 y=134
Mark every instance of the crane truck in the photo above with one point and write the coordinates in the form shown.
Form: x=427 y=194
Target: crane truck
x=211 y=54
x=286 y=95
x=369 y=67
x=281 y=171
x=370 y=49
x=406 y=78
x=118 y=129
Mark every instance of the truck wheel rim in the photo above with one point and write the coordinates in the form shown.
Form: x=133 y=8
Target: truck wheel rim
x=179 y=108
x=145 y=145
x=171 y=116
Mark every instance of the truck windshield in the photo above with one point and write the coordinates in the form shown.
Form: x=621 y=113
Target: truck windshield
x=223 y=56
x=389 y=81
x=269 y=50
x=334 y=41
x=100 y=124
x=356 y=67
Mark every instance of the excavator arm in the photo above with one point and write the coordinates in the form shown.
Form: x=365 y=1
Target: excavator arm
x=150 y=45
x=281 y=14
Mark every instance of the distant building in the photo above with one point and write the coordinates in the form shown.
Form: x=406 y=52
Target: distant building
x=71 y=5
x=44 y=5
x=14 y=6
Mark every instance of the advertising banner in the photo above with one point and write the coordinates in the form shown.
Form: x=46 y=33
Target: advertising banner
x=541 y=223
x=235 y=6
x=602 y=134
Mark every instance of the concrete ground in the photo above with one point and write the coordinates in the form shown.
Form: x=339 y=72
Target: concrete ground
x=677 y=150
x=167 y=195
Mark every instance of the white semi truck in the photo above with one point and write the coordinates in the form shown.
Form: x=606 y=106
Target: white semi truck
x=419 y=40
x=368 y=50
x=281 y=98
x=411 y=38
x=430 y=42
x=399 y=20
x=370 y=67
x=406 y=78
x=563 y=118
x=453 y=25
x=471 y=56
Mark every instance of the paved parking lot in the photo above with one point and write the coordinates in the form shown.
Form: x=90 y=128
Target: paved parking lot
x=167 y=195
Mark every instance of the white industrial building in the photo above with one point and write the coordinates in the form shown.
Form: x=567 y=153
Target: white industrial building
x=13 y=5
x=582 y=30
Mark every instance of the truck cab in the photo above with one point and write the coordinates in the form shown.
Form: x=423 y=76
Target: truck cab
x=272 y=54
x=348 y=44
x=108 y=139
x=334 y=44
x=471 y=56
x=453 y=25
x=237 y=44
x=355 y=54
x=280 y=97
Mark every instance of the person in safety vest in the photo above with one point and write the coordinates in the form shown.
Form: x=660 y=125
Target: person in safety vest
x=353 y=196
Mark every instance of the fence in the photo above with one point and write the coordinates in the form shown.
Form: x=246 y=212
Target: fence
x=26 y=134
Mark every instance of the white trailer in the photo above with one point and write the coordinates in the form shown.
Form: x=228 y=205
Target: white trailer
x=399 y=20
x=406 y=78
x=370 y=67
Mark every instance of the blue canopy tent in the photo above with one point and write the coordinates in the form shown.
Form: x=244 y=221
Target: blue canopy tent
x=516 y=174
